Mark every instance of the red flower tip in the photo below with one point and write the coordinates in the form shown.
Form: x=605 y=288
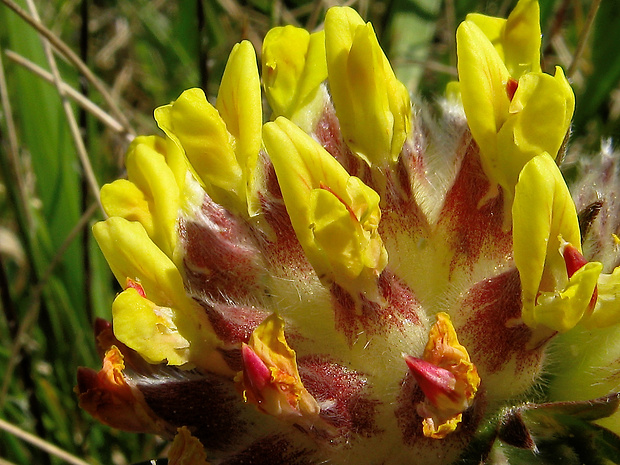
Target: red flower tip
x=135 y=285
x=434 y=381
x=573 y=258
x=511 y=88
x=256 y=374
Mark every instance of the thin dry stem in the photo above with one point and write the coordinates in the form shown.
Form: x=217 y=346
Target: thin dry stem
x=5 y=462
x=73 y=126
x=69 y=91
x=66 y=51
x=41 y=444
x=583 y=38
x=13 y=149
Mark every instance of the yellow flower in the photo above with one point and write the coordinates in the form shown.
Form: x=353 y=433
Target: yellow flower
x=376 y=126
x=107 y=396
x=152 y=194
x=164 y=324
x=365 y=244
x=222 y=142
x=294 y=68
x=516 y=39
x=446 y=376
x=186 y=449
x=270 y=379
x=514 y=111
x=335 y=215
x=559 y=287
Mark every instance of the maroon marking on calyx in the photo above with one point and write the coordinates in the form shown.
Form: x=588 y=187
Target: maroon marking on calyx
x=327 y=133
x=354 y=314
x=490 y=340
x=398 y=191
x=282 y=251
x=232 y=323
x=344 y=392
x=473 y=229
x=271 y=181
x=221 y=259
x=409 y=421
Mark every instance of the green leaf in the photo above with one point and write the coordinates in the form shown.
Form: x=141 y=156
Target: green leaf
x=411 y=31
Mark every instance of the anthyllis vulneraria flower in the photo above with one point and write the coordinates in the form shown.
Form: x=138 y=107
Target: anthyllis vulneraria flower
x=360 y=280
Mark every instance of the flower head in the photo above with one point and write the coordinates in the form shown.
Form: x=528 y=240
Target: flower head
x=274 y=274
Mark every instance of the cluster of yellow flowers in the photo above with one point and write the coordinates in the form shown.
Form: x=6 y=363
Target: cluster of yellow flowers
x=346 y=223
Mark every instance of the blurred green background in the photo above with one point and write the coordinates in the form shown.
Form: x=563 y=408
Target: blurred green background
x=53 y=280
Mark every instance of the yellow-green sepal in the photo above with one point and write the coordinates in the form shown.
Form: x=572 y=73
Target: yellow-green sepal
x=606 y=312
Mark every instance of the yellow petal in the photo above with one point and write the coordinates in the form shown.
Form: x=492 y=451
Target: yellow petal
x=607 y=309
x=174 y=156
x=148 y=170
x=492 y=27
x=149 y=329
x=444 y=350
x=294 y=66
x=335 y=215
x=132 y=254
x=447 y=377
x=152 y=195
x=284 y=60
x=186 y=449
x=539 y=118
x=376 y=126
x=108 y=397
x=543 y=213
x=483 y=78
x=124 y=199
x=563 y=309
x=197 y=128
x=517 y=39
x=522 y=39
x=239 y=105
